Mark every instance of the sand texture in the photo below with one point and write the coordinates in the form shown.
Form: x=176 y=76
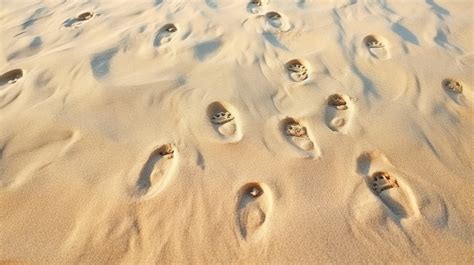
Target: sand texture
x=204 y=131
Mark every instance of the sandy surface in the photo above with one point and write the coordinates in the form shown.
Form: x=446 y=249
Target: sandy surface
x=224 y=131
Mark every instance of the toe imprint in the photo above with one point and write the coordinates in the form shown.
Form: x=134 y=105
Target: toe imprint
x=452 y=85
x=166 y=151
x=337 y=101
x=256 y=2
x=85 y=16
x=372 y=41
x=375 y=44
x=222 y=117
x=11 y=76
x=295 y=129
x=224 y=122
x=255 y=6
x=273 y=15
x=297 y=135
x=170 y=28
x=377 y=47
x=381 y=181
x=165 y=34
x=339 y=113
x=278 y=22
x=255 y=191
x=297 y=70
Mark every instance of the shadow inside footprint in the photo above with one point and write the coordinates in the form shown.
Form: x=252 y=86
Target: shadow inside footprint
x=165 y=34
x=156 y=171
x=253 y=207
x=100 y=63
x=222 y=120
x=11 y=77
x=278 y=21
x=452 y=85
x=297 y=70
x=255 y=6
x=296 y=134
x=274 y=18
x=338 y=112
x=77 y=21
x=454 y=89
x=205 y=49
x=377 y=46
x=383 y=180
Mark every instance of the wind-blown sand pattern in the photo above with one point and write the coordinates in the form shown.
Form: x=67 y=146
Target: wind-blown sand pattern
x=225 y=131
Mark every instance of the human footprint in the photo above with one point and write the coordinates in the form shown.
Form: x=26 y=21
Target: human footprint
x=383 y=179
x=339 y=112
x=223 y=121
x=377 y=47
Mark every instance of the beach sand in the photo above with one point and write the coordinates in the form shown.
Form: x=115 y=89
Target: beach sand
x=144 y=132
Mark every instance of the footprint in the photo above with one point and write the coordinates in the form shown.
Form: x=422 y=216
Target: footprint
x=452 y=85
x=223 y=121
x=297 y=70
x=165 y=34
x=254 y=204
x=255 y=6
x=384 y=180
x=297 y=135
x=157 y=171
x=85 y=16
x=339 y=113
x=278 y=21
x=79 y=20
x=377 y=47
x=11 y=77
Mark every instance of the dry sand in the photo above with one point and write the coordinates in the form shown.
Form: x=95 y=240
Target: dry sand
x=224 y=131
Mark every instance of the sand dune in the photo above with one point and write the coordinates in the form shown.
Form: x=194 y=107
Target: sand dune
x=335 y=131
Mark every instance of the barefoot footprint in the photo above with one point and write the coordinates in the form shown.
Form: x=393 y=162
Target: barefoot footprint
x=277 y=21
x=254 y=205
x=157 y=171
x=339 y=113
x=165 y=34
x=452 y=85
x=297 y=70
x=297 y=134
x=383 y=179
x=255 y=6
x=11 y=77
x=223 y=121
x=377 y=46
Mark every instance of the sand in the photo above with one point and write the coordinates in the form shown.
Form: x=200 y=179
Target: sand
x=142 y=132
